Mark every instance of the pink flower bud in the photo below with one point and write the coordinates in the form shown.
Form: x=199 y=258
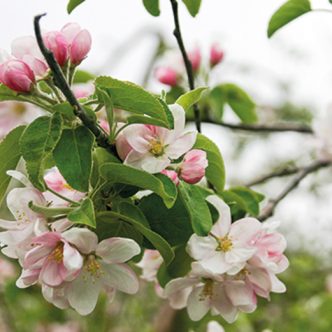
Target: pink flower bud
x=195 y=58
x=122 y=145
x=79 y=42
x=216 y=54
x=192 y=169
x=167 y=75
x=56 y=42
x=172 y=175
x=17 y=75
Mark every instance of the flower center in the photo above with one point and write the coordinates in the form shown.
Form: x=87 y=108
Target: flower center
x=93 y=267
x=57 y=253
x=242 y=275
x=156 y=148
x=224 y=244
x=207 y=291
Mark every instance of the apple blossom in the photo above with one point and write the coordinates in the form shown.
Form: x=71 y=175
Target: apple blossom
x=195 y=57
x=153 y=148
x=56 y=42
x=216 y=54
x=192 y=169
x=17 y=75
x=150 y=263
x=79 y=42
x=172 y=175
x=228 y=246
x=167 y=75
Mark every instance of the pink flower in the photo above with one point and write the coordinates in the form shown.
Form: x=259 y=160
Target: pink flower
x=167 y=75
x=192 y=169
x=195 y=58
x=54 y=257
x=228 y=246
x=172 y=175
x=216 y=54
x=153 y=148
x=57 y=183
x=56 y=42
x=17 y=75
x=27 y=50
x=79 y=42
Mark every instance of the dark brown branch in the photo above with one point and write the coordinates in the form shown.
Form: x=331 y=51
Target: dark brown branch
x=187 y=63
x=268 y=211
x=62 y=84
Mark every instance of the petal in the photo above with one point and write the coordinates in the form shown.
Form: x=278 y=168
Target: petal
x=181 y=145
x=36 y=256
x=20 y=177
x=216 y=263
x=72 y=259
x=239 y=254
x=179 y=284
x=117 y=250
x=277 y=285
x=179 y=117
x=223 y=305
x=239 y=293
x=222 y=225
x=121 y=277
x=197 y=306
x=83 y=293
x=199 y=247
x=137 y=136
x=27 y=278
x=82 y=238
x=245 y=229
x=50 y=273
x=56 y=296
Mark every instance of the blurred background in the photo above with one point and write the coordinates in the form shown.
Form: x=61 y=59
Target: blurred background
x=290 y=78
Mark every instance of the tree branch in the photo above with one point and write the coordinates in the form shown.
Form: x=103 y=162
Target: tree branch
x=268 y=211
x=264 y=128
x=187 y=63
x=62 y=84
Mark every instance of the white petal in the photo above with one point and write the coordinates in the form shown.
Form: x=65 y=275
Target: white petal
x=181 y=145
x=245 y=229
x=239 y=293
x=72 y=259
x=199 y=247
x=197 y=306
x=222 y=225
x=117 y=250
x=138 y=136
x=221 y=302
x=82 y=238
x=277 y=285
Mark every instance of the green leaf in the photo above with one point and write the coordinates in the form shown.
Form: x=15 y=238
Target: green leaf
x=287 y=13
x=49 y=212
x=215 y=172
x=190 y=98
x=239 y=101
x=197 y=208
x=156 y=240
x=73 y=4
x=172 y=224
x=193 y=6
x=8 y=94
x=9 y=157
x=84 y=214
x=82 y=76
x=131 y=97
x=160 y=184
x=66 y=110
x=152 y=6
x=73 y=157
x=37 y=143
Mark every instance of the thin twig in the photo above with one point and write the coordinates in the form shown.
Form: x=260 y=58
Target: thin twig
x=268 y=211
x=62 y=84
x=187 y=63
x=264 y=128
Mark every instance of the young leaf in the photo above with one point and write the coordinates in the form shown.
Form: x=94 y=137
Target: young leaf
x=82 y=76
x=10 y=155
x=152 y=6
x=190 y=98
x=215 y=172
x=131 y=97
x=193 y=6
x=73 y=4
x=160 y=184
x=84 y=214
x=37 y=143
x=49 y=212
x=197 y=208
x=239 y=101
x=287 y=13
x=155 y=239
x=73 y=157
x=172 y=224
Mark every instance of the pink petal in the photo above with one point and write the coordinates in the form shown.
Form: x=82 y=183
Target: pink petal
x=82 y=238
x=181 y=145
x=50 y=273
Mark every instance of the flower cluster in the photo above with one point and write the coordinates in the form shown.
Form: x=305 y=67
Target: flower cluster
x=233 y=265
x=20 y=70
x=172 y=75
x=69 y=262
x=155 y=149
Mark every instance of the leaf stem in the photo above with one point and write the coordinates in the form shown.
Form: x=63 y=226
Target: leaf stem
x=187 y=63
x=62 y=84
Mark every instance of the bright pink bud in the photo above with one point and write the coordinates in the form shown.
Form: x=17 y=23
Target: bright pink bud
x=172 y=175
x=192 y=169
x=56 y=42
x=79 y=42
x=216 y=54
x=167 y=75
x=195 y=58
x=17 y=75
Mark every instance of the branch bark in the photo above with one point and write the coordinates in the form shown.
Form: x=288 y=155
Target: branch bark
x=187 y=63
x=62 y=84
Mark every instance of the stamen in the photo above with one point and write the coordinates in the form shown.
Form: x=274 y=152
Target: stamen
x=156 y=147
